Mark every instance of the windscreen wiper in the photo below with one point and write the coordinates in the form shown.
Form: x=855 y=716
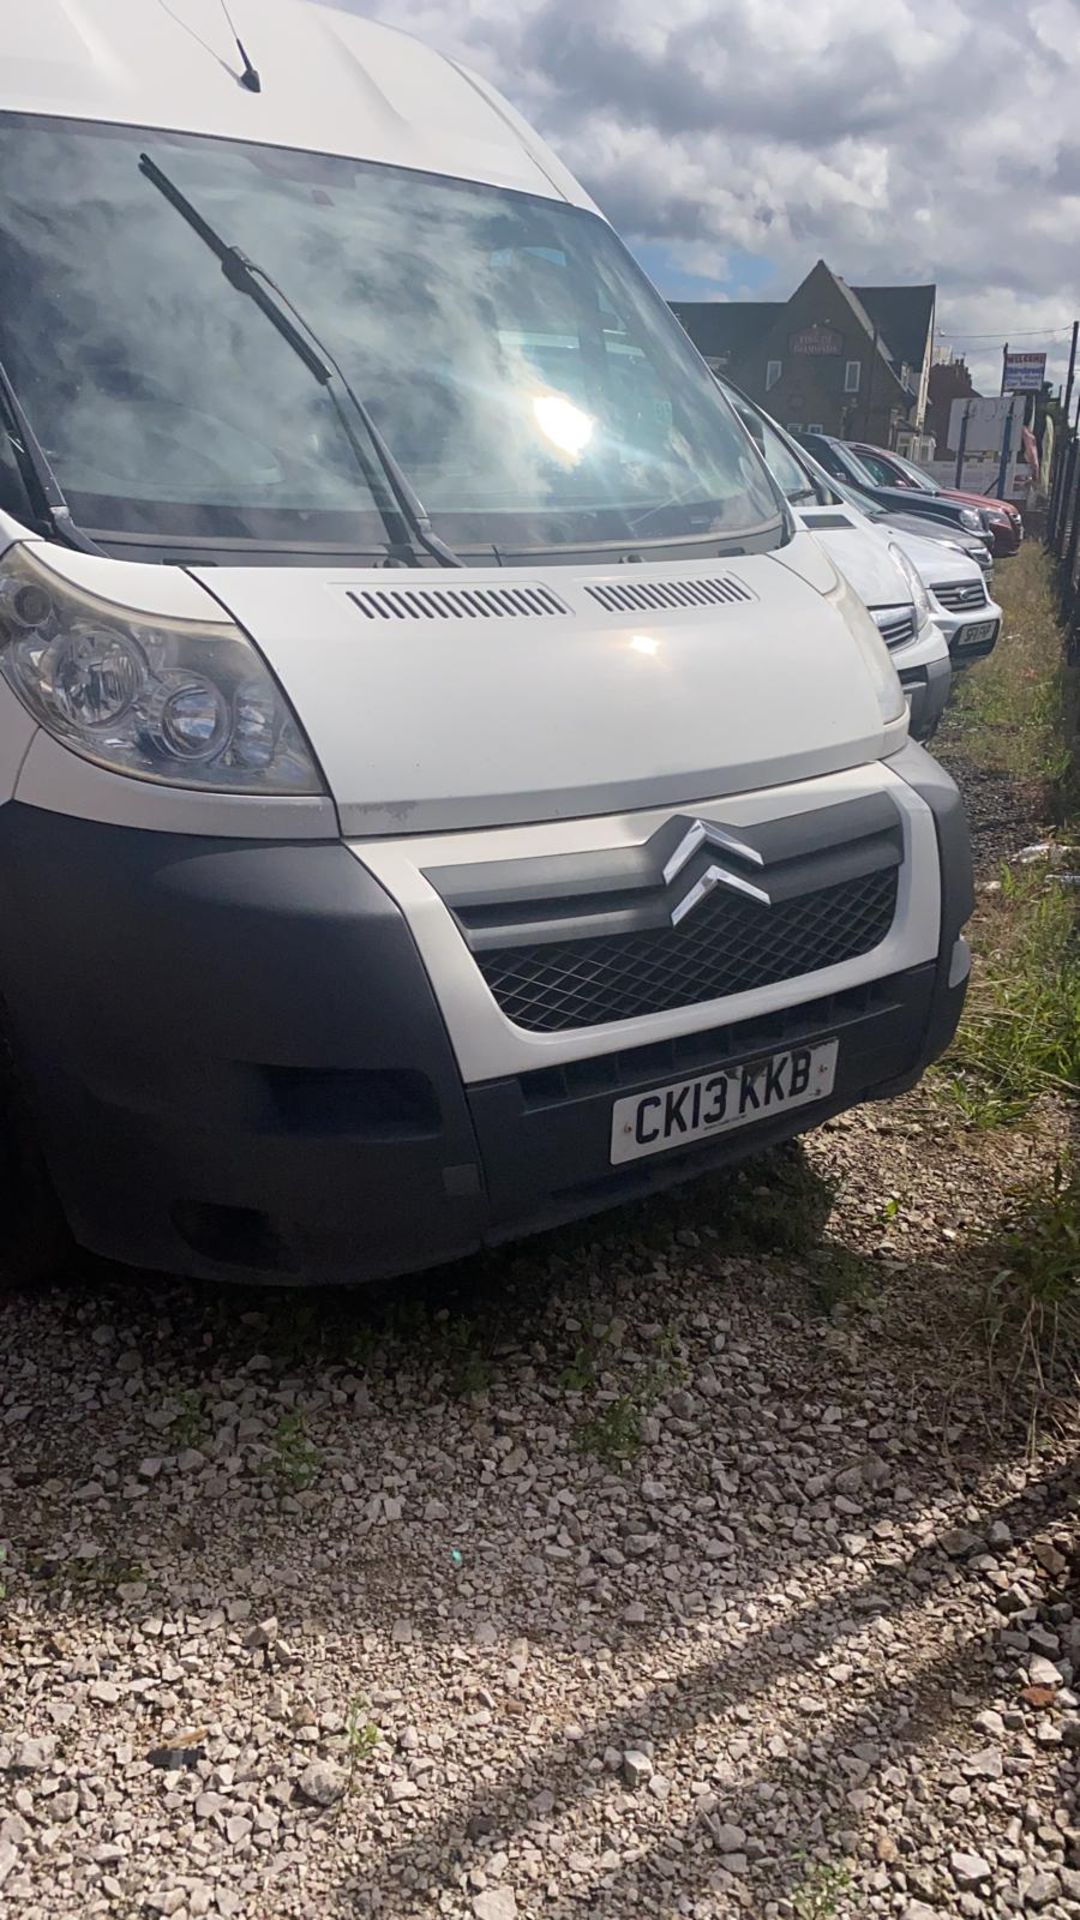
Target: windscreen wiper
x=41 y=482
x=402 y=511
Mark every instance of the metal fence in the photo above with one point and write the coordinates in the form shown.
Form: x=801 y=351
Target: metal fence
x=1063 y=530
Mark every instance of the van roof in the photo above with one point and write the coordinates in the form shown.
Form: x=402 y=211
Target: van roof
x=332 y=82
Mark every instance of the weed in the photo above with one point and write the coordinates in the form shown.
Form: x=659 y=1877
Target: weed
x=614 y=1434
x=1034 y=1295
x=465 y=1358
x=294 y=1460
x=191 y=1425
x=361 y=1737
x=580 y=1375
x=363 y=1346
x=779 y=1205
x=839 y=1277
x=104 y=1573
x=295 y=1331
x=822 y=1889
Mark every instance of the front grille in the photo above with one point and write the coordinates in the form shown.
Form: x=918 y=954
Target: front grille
x=961 y=599
x=896 y=629
x=728 y=944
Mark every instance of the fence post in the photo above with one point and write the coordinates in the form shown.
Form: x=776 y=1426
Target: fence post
x=1065 y=496
x=1054 y=502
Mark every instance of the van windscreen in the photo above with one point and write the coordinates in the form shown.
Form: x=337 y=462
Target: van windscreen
x=536 y=390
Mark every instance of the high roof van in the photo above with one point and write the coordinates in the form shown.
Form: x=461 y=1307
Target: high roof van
x=443 y=792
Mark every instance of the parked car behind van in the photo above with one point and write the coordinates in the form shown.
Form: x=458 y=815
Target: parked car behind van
x=843 y=463
x=1004 y=520
x=961 y=603
x=442 y=790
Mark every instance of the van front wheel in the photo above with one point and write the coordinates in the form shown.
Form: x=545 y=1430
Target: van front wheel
x=33 y=1233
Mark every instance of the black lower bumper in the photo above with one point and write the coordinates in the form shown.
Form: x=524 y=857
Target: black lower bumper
x=927 y=690
x=239 y=1070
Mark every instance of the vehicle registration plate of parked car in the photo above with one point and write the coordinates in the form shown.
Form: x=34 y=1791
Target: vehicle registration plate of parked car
x=976 y=635
x=688 y=1111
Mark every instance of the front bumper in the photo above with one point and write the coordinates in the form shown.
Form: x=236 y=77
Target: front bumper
x=958 y=631
x=239 y=1068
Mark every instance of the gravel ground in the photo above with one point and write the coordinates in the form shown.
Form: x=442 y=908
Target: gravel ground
x=687 y=1564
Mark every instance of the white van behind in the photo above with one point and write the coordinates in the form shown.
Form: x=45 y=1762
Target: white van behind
x=442 y=793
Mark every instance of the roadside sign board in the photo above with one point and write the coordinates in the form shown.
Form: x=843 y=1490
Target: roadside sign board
x=985 y=428
x=1024 y=372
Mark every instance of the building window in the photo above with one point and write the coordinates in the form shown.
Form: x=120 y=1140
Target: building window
x=814 y=426
x=852 y=376
x=773 y=370
x=794 y=426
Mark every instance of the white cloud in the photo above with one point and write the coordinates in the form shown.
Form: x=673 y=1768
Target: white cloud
x=900 y=139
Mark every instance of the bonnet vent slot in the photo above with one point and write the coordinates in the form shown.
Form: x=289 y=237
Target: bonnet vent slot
x=456 y=603
x=645 y=596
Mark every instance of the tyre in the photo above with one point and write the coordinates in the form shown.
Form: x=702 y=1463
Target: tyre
x=33 y=1234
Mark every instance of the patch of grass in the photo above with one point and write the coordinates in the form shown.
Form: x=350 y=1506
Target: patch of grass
x=1007 y=710
x=104 y=1573
x=294 y=1460
x=1020 y=1035
x=1017 y=713
x=821 y=1891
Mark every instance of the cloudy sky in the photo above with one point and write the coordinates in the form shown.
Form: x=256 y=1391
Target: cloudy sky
x=733 y=142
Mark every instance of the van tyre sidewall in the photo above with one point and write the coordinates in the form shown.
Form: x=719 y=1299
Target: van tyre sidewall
x=33 y=1234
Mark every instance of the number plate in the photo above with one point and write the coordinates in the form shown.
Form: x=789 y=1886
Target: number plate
x=977 y=634
x=692 y=1110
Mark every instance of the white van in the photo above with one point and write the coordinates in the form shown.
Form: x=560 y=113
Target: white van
x=878 y=567
x=442 y=793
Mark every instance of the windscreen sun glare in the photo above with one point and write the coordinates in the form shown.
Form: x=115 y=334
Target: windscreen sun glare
x=568 y=428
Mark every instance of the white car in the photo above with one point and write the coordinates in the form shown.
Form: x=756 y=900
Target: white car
x=960 y=603
x=442 y=791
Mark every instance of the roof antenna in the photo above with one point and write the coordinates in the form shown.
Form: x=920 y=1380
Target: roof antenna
x=250 y=77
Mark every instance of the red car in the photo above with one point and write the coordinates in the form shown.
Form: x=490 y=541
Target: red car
x=892 y=470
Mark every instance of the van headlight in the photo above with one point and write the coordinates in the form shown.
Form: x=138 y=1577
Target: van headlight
x=187 y=703
x=919 y=594
x=875 y=654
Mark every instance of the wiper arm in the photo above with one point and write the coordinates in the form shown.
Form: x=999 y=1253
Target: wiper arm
x=403 y=513
x=37 y=473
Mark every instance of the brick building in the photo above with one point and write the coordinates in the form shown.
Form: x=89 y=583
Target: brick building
x=853 y=361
